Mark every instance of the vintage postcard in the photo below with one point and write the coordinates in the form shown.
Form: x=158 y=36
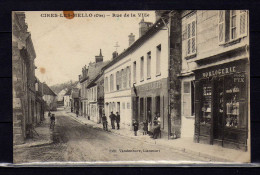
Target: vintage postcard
x=131 y=87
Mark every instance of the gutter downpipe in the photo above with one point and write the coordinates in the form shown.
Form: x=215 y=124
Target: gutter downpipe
x=168 y=80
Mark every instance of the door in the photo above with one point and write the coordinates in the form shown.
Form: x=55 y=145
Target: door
x=218 y=109
x=149 y=107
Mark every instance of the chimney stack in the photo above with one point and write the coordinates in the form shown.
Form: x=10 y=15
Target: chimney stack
x=100 y=57
x=114 y=54
x=131 y=39
x=144 y=27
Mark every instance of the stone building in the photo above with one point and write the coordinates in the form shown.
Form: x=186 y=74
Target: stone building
x=215 y=77
x=50 y=98
x=89 y=74
x=139 y=81
x=23 y=69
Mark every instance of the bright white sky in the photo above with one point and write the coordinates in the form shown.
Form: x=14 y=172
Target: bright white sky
x=63 y=46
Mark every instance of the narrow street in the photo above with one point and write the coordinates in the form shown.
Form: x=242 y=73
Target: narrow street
x=74 y=141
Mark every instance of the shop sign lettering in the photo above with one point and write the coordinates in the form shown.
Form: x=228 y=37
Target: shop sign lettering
x=151 y=86
x=239 y=78
x=218 y=72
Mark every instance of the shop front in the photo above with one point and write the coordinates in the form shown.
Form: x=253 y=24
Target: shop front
x=221 y=105
x=150 y=99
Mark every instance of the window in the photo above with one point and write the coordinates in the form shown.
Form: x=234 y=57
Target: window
x=191 y=38
x=118 y=80
x=128 y=105
x=111 y=82
x=142 y=69
x=106 y=84
x=158 y=60
x=232 y=25
x=128 y=77
x=149 y=65
x=134 y=70
x=124 y=78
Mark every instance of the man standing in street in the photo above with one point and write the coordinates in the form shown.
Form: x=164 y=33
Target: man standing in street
x=118 y=120
x=112 y=118
x=104 y=121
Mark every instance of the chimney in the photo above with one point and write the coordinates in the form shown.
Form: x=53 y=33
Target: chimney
x=160 y=13
x=144 y=27
x=99 y=58
x=114 y=54
x=131 y=39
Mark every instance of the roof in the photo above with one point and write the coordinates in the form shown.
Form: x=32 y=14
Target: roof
x=68 y=92
x=94 y=69
x=153 y=29
x=47 y=90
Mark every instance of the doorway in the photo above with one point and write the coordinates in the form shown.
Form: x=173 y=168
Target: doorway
x=148 y=109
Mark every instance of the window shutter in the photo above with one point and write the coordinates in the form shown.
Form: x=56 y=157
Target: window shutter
x=188 y=37
x=221 y=26
x=242 y=23
x=193 y=35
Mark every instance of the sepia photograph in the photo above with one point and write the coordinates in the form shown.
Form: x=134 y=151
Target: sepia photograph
x=131 y=87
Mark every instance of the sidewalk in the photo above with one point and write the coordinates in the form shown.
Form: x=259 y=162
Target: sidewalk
x=44 y=136
x=213 y=152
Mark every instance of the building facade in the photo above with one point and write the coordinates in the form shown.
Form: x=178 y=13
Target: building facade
x=23 y=70
x=215 y=77
x=67 y=99
x=50 y=98
x=117 y=89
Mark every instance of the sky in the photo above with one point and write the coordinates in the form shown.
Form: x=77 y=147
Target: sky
x=63 y=46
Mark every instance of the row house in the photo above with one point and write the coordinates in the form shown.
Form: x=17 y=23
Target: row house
x=89 y=95
x=75 y=98
x=67 y=99
x=23 y=70
x=136 y=81
x=50 y=98
x=215 y=77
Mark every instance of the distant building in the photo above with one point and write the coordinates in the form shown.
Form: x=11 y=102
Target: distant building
x=23 y=69
x=50 y=98
x=75 y=98
x=67 y=98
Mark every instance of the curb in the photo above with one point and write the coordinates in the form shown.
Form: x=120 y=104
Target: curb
x=189 y=151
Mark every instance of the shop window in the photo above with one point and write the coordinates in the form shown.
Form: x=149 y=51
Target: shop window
x=232 y=25
x=235 y=116
x=206 y=103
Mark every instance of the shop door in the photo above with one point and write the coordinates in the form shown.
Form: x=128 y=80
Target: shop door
x=141 y=109
x=149 y=107
x=218 y=108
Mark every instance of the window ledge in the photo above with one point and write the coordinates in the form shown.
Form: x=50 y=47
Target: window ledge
x=190 y=117
x=188 y=57
x=148 y=78
x=157 y=75
x=142 y=80
x=231 y=42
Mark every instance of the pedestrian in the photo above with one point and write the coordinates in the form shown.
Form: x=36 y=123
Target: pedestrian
x=77 y=113
x=156 y=130
x=49 y=114
x=145 y=128
x=104 y=121
x=112 y=119
x=135 y=124
x=118 y=120
x=52 y=121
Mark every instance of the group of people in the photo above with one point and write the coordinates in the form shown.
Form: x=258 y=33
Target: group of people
x=113 y=118
x=152 y=128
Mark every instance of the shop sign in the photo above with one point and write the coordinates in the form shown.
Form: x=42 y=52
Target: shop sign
x=150 y=86
x=239 y=78
x=218 y=72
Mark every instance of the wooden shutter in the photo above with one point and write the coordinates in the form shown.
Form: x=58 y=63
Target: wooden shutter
x=242 y=23
x=189 y=39
x=193 y=36
x=221 y=26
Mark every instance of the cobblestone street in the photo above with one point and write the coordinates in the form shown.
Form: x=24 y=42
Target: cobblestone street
x=74 y=141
